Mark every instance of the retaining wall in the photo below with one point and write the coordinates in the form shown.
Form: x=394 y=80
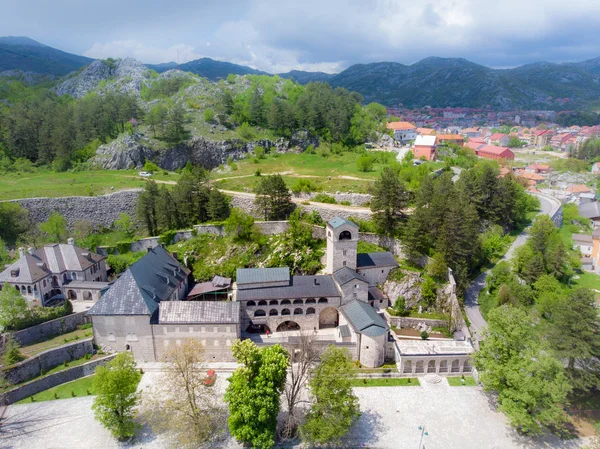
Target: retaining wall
x=353 y=199
x=52 y=380
x=100 y=210
x=45 y=361
x=49 y=329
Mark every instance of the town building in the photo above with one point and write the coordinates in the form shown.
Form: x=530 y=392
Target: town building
x=425 y=148
x=498 y=139
x=57 y=270
x=445 y=139
x=434 y=357
x=404 y=132
x=591 y=211
x=494 y=152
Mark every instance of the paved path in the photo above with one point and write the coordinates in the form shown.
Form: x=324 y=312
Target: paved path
x=478 y=323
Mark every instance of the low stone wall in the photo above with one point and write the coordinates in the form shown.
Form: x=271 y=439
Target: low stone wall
x=52 y=380
x=352 y=199
x=45 y=361
x=100 y=210
x=401 y=322
x=49 y=329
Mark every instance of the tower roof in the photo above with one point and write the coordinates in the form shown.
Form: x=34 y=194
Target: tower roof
x=336 y=222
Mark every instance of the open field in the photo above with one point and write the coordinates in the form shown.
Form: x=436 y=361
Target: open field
x=46 y=183
x=79 y=388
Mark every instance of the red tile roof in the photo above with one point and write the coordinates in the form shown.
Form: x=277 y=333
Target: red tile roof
x=400 y=126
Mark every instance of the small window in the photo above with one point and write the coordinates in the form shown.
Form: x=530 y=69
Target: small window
x=344 y=263
x=344 y=252
x=382 y=271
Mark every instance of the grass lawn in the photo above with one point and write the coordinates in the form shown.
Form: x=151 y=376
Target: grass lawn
x=430 y=315
x=29 y=351
x=79 y=387
x=46 y=183
x=386 y=368
x=386 y=382
x=457 y=382
x=587 y=280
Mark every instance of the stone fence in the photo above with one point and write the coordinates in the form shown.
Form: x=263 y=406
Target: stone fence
x=267 y=228
x=402 y=322
x=44 y=361
x=352 y=199
x=49 y=329
x=52 y=380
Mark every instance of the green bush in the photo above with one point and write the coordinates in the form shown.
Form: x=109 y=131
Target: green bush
x=304 y=186
x=424 y=335
x=166 y=238
x=324 y=198
x=365 y=163
x=12 y=354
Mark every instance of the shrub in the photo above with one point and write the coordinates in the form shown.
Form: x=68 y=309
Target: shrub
x=303 y=186
x=424 y=335
x=166 y=238
x=259 y=152
x=12 y=353
x=400 y=307
x=151 y=167
x=324 y=198
x=365 y=162
x=257 y=173
x=209 y=115
x=245 y=131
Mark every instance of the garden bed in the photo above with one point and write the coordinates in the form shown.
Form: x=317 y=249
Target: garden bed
x=386 y=382
x=79 y=334
x=457 y=381
x=77 y=388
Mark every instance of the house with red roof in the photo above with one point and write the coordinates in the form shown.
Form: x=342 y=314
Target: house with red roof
x=498 y=139
x=494 y=152
x=404 y=132
x=537 y=168
x=445 y=139
x=541 y=137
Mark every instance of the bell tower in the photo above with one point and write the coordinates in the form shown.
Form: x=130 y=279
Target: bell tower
x=342 y=240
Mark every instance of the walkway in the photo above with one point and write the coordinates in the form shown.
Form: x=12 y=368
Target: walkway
x=549 y=206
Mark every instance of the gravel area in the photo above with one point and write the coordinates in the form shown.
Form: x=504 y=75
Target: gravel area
x=454 y=417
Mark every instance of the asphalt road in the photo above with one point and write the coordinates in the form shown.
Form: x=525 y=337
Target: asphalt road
x=478 y=323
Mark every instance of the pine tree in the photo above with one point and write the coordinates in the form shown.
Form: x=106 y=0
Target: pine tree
x=389 y=200
x=273 y=198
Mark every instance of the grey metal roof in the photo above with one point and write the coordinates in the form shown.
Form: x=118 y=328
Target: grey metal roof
x=345 y=275
x=590 y=210
x=198 y=312
x=144 y=284
x=344 y=330
x=299 y=287
x=582 y=238
x=364 y=319
x=375 y=294
x=91 y=285
x=262 y=275
x=336 y=222
x=381 y=259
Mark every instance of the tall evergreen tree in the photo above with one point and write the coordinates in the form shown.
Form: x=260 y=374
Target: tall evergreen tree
x=273 y=198
x=146 y=208
x=390 y=198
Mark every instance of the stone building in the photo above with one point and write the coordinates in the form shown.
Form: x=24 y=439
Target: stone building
x=57 y=269
x=142 y=311
x=444 y=357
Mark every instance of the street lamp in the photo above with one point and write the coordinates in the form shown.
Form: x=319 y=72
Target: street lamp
x=423 y=434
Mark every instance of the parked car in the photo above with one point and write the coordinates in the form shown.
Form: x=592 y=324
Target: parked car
x=145 y=174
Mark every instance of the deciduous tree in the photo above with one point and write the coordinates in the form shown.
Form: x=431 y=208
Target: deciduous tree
x=334 y=406
x=55 y=227
x=116 y=395
x=254 y=391
x=13 y=307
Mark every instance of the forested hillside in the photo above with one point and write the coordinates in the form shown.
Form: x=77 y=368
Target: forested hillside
x=63 y=123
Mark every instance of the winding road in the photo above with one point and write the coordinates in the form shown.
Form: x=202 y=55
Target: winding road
x=549 y=206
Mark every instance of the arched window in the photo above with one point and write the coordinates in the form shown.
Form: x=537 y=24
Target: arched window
x=407 y=367
x=250 y=303
x=285 y=312
x=298 y=301
x=455 y=366
x=345 y=235
x=29 y=289
x=310 y=311
x=262 y=303
x=273 y=312
x=310 y=301
x=323 y=301
x=17 y=287
x=419 y=368
x=285 y=301
x=298 y=311
x=273 y=302
x=260 y=312
x=431 y=366
x=444 y=366
x=467 y=367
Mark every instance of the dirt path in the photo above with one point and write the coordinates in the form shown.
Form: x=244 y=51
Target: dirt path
x=292 y=174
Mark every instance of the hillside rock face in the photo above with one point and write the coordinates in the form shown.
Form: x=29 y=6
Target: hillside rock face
x=409 y=288
x=127 y=152
x=127 y=73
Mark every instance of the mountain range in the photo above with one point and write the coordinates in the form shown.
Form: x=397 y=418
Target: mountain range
x=437 y=82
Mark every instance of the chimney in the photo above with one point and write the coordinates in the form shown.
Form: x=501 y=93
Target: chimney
x=21 y=252
x=30 y=250
x=71 y=241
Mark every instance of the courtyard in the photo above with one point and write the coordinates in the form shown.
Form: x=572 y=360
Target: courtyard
x=391 y=416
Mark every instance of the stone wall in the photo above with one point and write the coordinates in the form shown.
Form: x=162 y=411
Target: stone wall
x=100 y=210
x=402 y=322
x=49 y=329
x=353 y=199
x=52 y=380
x=44 y=361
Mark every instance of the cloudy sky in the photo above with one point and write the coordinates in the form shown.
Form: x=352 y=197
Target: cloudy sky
x=326 y=35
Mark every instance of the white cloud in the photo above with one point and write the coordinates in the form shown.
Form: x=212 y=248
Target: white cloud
x=148 y=54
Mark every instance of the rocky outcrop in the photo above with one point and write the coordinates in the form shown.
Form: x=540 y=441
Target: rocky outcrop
x=132 y=151
x=125 y=76
x=26 y=77
x=125 y=152
x=409 y=287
